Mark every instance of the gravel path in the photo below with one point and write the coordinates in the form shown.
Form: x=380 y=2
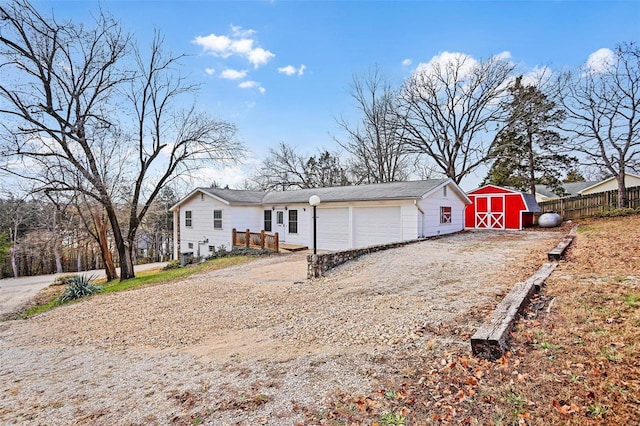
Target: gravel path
x=255 y=344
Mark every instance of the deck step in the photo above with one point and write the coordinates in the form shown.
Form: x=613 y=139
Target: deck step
x=292 y=247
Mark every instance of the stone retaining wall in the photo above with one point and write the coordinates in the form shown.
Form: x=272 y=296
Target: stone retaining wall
x=318 y=264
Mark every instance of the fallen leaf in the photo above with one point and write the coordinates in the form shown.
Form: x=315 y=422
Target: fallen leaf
x=564 y=408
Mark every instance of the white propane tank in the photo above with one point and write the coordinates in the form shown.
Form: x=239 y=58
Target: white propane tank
x=549 y=220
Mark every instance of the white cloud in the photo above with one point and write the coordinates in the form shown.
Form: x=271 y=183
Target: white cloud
x=233 y=175
x=291 y=70
x=537 y=76
x=238 y=31
x=464 y=63
x=259 y=56
x=288 y=70
x=503 y=56
x=231 y=74
x=215 y=45
x=406 y=62
x=601 y=60
x=240 y=43
x=210 y=71
x=250 y=84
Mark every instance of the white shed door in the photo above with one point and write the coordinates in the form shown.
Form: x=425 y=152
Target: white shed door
x=377 y=225
x=332 y=228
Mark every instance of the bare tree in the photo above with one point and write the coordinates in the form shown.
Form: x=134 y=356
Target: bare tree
x=603 y=111
x=65 y=94
x=284 y=169
x=15 y=214
x=449 y=108
x=376 y=141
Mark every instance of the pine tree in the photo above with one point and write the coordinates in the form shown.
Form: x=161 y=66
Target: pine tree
x=523 y=151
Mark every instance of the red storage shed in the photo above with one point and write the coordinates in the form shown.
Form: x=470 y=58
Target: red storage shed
x=493 y=207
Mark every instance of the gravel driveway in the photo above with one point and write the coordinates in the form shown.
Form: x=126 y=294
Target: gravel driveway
x=256 y=344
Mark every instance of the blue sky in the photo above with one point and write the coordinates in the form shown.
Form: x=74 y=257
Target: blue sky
x=280 y=70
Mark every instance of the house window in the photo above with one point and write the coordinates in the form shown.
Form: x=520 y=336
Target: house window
x=267 y=220
x=190 y=245
x=187 y=218
x=445 y=214
x=279 y=217
x=444 y=191
x=212 y=249
x=217 y=219
x=293 y=221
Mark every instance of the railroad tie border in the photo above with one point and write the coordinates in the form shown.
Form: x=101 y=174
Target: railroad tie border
x=490 y=341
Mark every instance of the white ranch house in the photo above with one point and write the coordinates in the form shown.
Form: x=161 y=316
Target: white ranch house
x=347 y=217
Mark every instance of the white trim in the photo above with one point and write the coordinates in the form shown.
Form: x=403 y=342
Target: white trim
x=488 y=218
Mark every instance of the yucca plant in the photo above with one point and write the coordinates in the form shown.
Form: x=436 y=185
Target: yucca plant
x=79 y=286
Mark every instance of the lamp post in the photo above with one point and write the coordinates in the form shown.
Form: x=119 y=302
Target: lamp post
x=314 y=200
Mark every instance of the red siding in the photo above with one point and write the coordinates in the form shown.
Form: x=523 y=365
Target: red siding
x=494 y=207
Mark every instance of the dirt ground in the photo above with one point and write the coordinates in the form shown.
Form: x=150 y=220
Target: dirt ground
x=259 y=344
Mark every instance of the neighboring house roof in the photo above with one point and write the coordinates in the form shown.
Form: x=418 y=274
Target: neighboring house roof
x=604 y=182
x=371 y=192
x=571 y=188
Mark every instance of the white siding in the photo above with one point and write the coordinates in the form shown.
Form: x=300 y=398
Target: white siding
x=333 y=228
x=202 y=207
x=431 y=206
x=341 y=225
x=611 y=184
x=303 y=237
x=377 y=225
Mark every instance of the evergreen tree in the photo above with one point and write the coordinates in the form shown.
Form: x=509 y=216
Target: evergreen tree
x=574 y=175
x=523 y=150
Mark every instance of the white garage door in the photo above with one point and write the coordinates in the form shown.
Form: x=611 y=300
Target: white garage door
x=333 y=228
x=377 y=225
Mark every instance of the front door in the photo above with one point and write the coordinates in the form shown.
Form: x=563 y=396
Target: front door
x=281 y=224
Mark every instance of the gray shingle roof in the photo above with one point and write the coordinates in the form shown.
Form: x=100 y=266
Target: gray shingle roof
x=236 y=196
x=378 y=191
x=570 y=188
x=530 y=201
x=371 y=192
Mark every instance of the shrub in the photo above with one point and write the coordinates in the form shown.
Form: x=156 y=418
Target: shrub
x=79 y=286
x=64 y=279
x=174 y=264
x=238 y=251
x=619 y=212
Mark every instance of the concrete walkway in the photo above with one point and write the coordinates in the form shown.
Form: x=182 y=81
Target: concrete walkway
x=15 y=292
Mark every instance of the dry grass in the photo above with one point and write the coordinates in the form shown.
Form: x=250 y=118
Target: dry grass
x=575 y=357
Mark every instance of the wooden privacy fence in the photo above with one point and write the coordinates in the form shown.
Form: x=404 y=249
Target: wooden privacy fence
x=260 y=240
x=589 y=205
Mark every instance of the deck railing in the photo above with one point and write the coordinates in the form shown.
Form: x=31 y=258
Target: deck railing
x=260 y=240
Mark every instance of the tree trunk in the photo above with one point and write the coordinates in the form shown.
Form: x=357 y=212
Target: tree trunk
x=14 y=264
x=126 y=266
x=56 y=254
x=622 y=191
x=532 y=166
x=105 y=253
